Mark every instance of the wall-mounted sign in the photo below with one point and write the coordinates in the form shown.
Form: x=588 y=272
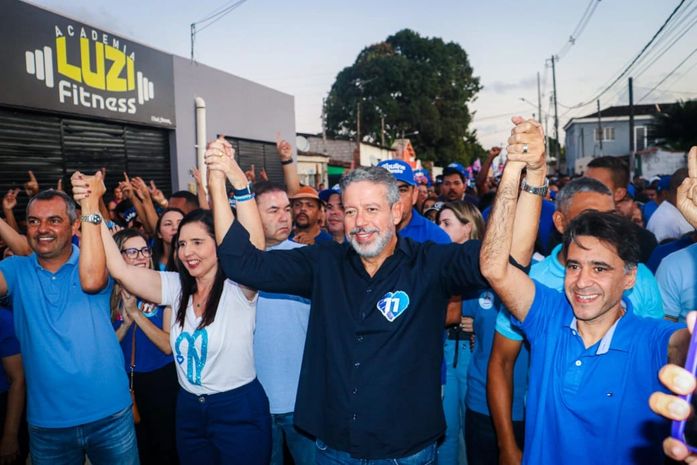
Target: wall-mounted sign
x=51 y=62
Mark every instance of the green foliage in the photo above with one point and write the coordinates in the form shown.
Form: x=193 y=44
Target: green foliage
x=676 y=128
x=417 y=84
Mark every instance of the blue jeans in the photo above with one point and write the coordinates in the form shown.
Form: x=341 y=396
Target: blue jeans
x=328 y=456
x=231 y=427
x=109 y=441
x=452 y=450
x=301 y=447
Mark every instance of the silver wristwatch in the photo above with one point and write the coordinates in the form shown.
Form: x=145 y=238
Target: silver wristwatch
x=541 y=190
x=94 y=218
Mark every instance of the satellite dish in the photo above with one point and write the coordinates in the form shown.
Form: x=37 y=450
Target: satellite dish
x=302 y=144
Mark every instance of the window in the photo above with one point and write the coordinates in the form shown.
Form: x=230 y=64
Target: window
x=607 y=134
x=640 y=138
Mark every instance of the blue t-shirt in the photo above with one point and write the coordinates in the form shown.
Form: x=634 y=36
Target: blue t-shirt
x=677 y=279
x=484 y=308
x=72 y=360
x=422 y=230
x=546 y=228
x=148 y=356
x=279 y=341
x=663 y=250
x=644 y=296
x=590 y=405
x=9 y=345
x=648 y=209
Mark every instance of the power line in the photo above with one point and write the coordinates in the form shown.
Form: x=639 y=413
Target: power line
x=636 y=58
x=211 y=19
x=578 y=30
x=669 y=74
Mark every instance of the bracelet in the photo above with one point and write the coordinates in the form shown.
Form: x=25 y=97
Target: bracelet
x=242 y=192
x=244 y=198
x=287 y=162
x=535 y=190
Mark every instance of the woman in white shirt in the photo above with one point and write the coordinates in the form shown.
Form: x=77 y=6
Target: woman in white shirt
x=222 y=410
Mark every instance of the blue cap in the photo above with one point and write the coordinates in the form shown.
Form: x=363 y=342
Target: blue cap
x=458 y=167
x=400 y=170
x=326 y=193
x=664 y=183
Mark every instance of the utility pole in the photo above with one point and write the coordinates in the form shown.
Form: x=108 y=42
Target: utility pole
x=600 y=129
x=539 y=109
x=324 y=121
x=358 y=135
x=193 y=34
x=382 y=130
x=556 y=117
x=631 y=129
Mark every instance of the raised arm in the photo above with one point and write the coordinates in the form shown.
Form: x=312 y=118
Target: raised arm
x=92 y=263
x=482 y=180
x=200 y=189
x=290 y=169
x=514 y=287
x=220 y=159
x=687 y=192
x=143 y=282
x=9 y=202
x=148 y=214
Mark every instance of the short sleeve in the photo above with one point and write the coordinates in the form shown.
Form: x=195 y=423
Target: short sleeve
x=645 y=295
x=171 y=289
x=670 y=292
x=8 y=268
x=505 y=328
x=548 y=307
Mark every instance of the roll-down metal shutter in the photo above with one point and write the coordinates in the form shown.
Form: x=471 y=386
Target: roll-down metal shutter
x=55 y=146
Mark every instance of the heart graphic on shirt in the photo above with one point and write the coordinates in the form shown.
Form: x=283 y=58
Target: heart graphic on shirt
x=195 y=362
x=393 y=304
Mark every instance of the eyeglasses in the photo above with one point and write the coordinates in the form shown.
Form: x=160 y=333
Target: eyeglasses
x=133 y=252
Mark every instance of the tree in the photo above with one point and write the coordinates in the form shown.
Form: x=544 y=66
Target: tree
x=416 y=84
x=676 y=127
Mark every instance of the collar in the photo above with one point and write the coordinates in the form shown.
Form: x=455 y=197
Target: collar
x=71 y=261
x=621 y=340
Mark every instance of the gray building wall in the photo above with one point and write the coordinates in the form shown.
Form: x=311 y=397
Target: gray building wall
x=234 y=106
x=580 y=139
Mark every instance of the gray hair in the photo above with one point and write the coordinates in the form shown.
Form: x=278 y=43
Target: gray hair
x=577 y=186
x=52 y=194
x=376 y=175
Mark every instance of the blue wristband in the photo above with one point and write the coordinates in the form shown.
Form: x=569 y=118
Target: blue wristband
x=243 y=198
x=243 y=192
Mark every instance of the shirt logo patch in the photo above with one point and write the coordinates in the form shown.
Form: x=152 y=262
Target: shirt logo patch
x=393 y=304
x=486 y=300
x=194 y=362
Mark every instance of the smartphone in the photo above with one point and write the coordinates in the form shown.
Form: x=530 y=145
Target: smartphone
x=686 y=430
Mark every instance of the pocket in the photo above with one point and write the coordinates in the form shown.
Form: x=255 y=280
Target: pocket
x=426 y=456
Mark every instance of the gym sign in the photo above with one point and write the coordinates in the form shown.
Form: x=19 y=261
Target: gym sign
x=51 y=62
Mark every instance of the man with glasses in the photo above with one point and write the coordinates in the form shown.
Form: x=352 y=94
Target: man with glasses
x=77 y=389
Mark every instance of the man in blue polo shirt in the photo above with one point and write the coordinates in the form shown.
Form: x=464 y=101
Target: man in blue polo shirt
x=594 y=363
x=78 y=399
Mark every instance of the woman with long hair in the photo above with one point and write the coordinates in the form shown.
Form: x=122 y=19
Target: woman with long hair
x=222 y=411
x=143 y=330
x=461 y=221
x=165 y=229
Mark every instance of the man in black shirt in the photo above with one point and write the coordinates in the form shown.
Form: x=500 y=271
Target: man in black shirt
x=370 y=381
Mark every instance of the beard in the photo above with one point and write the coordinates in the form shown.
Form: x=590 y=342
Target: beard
x=374 y=248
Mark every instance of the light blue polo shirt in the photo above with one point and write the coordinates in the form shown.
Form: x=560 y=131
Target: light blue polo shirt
x=72 y=360
x=483 y=308
x=591 y=405
x=645 y=296
x=279 y=343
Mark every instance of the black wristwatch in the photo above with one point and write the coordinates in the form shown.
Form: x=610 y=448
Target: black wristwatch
x=94 y=218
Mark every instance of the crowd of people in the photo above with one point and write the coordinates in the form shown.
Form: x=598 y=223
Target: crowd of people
x=495 y=318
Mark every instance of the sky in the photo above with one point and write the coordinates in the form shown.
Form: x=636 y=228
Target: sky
x=298 y=47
